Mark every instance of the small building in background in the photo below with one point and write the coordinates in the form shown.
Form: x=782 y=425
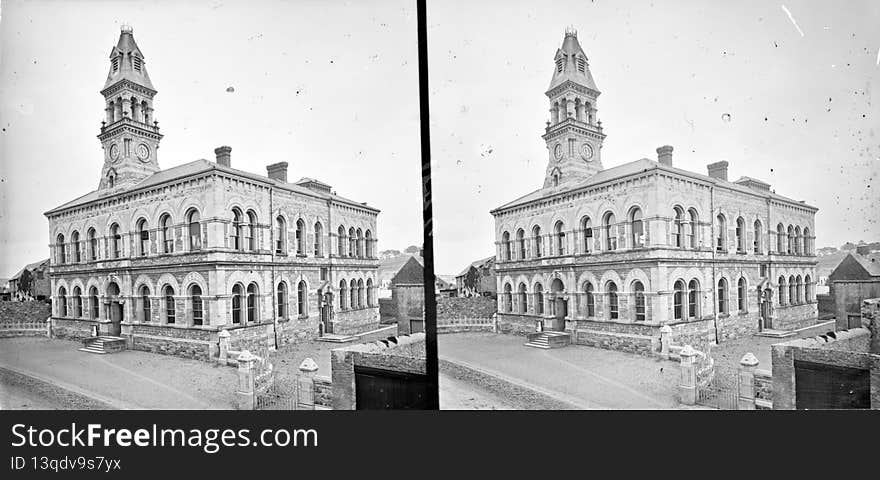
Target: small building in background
x=477 y=279
x=408 y=297
x=31 y=282
x=855 y=279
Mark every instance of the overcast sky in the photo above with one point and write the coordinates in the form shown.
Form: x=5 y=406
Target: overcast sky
x=329 y=87
x=803 y=107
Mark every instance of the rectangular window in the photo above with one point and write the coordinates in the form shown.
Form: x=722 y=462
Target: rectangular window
x=324 y=273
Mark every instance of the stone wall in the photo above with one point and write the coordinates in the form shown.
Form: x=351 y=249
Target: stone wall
x=387 y=311
x=195 y=343
x=323 y=391
x=516 y=324
x=295 y=330
x=456 y=325
x=352 y=322
x=736 y=325
x=848 y=297
x=465 y=307
x=19 y=319
x=254 y=338
x=70 y=329
x=763 y=385
x=792 y=317
x=825 y=306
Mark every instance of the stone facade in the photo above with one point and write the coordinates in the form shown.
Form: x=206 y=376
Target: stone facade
x=169 y=257
x=611 y=255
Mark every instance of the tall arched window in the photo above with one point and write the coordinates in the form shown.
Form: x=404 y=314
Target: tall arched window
x=808 y=242
x=591 y=299
x=587 y=228
x=352 y=290
x=252 y=292
x=115 y=241
x=610 y=225
x=319 y=239
x=722 y=295
x=165 y=233
x=505 y=246
x=741 y=298
x=340 y=241
x=678 y=227
x=800 y=289
x=740 y=235
x=93 y=244
x=758 y=243
x=539 y=299
x=302 y=299
x=792 y=291
x=237 y=293
x=720 y=233
x=193 y=220
x=798 y=240
x=281 y=235
x=170 y=313
x=237 y=234
x=693 y=229
x=536 y=235
x=195 y=299
x=506 y=300
x=77 y=302
x=639 y=293
x=144 y=304
x=281 y=295
x=300 y=237
x=677 y=300
x=781 y=290
x=143 y=236
x=368 y=244
x=808 y=286
x=352 y=239
x=251 y=231
x=693 y=295
x=343 y=294
x=74 y=240
x=62 y=254
x=359 y=243
x=613 y=312
x=371 y=300
x=521 y=243
x=780 y=239
x=790 y=246
x=62 y=302
x=360 y=287
x=559 y=233
x=522 y=300
x=637 y=228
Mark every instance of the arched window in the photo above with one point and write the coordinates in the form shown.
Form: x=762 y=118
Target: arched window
x=170 y=313
x=792 y=291
x=609 y=223
x=143 y=236
x=522 y=299
x=521 y=243
x=591 y=299
x=559 y=233
x=236 y=241
x=360 y=287
x=808 y=286
x=613 y=312
x=62 y=302
x=740 y=235
x=302 y=299
x=343 y=294
x=251 y=234
x=781 y=290
x=800 y=289
x=195 y=298
x=693 y=231
x=74 y=240
x=319 y=239
x=678 y=228
x=352 y=239
x=237 y=293
x=536 y=235
x=167 y=236
x=506 y=300
x=505 y=246
x=144 y=300
x=722 y=295
x=93 y=244
x=252 y=303
x=115 y=241
x=741 y=298
x=368 y=244
x=77 y=302
x=371 y=301
x=359 y=243
x=798 y=241
x=720 y=233
x=539 y=299
x=758 y=243
x=790 y=247
x=300 y=237
x=693 y=295
x=587 y=228
x=193 y=220
x=340 y=241
x=780 y=239
x=62 y=254
x=637 y=228
x=281 y=294
x=677 y=300
x=352 y=290
x=808 y=242
x=639 y=293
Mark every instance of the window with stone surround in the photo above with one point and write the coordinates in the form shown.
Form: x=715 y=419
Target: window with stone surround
x=352 y=248
x=61 y=302
x=790 y=247
x=236 y=234
x=77 y=302
x=251 y=232
x=808 y=242
x=741 y=295
x=792 y=291
x=539 y=242
x=520 y=243
x=693 y=229
x=359 y=243
x=506 y=303
x=720 y=233
x=166 y=233
x=170 y=314
x=780 y=238
x=302 y=297
x=587 y=229
x=360 y=293
x=523 y=306
x=639 y=294
x=781 y=290
x=800 y=289
x=613 y=307
x=678 y=227
x=340 y=241
x=93 y=303
x=559 y=233
x=505 y=246
x=637 y=228
x=144 y=304
x=115 y=241
x=798 y=241
x=591 y=299
x=539 y=299
x=371 y=300
x=808 y=286
x=677 y=300
x=237 y=293
x=343 y=294
x=740 y=235
x=319 y=239
x=143 y=237
x=352 y=290
x=722 y=296
x=74 y=240
x=193 y=220
x=92 y=236
x=693 y=295
x=281 y=295
x=610 y=225
x=759 y=238
x=368 y=244
x=252 y=312
x=195 y=298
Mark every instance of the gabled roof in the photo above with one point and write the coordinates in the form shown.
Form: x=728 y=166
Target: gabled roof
x=477 y=264
x=31 y=267
x=856 y=267
x=412 y=272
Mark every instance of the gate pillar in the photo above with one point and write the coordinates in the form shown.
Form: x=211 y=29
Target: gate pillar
x=688 y=383
x=747 y=366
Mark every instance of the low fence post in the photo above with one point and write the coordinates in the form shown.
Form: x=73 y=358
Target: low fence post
x=747 y=366
x=244 y=396
x=688 y=383
x=224 y=347
x=665 y=340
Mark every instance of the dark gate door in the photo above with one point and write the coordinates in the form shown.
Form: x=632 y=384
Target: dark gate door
x=377 y=389
x=561 y=311
x=115 y=318
x=821 y=386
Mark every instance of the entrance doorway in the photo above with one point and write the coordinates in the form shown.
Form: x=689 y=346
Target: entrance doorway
x=766 y=309
x=559 y=305
x=114 y=309
x=326 y=300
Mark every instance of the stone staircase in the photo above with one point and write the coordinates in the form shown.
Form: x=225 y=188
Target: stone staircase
x=103 y=344
x=548 y=340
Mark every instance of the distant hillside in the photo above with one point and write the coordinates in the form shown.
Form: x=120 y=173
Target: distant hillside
x=827 y=263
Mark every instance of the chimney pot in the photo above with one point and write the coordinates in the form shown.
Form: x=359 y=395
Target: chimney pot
x=277 y=171
x=664 y=155
x=224 y=155
x=718 y=170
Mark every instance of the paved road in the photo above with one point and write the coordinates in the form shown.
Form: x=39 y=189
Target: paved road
x=584 y=376
x=129 y=379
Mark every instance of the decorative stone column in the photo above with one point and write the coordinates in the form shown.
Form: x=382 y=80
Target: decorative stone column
x=747 y=366
x=688 y=382
x=244 y=396
x=665 y=340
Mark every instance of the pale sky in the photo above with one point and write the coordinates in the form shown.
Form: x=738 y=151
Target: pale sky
x=804 y=112
x=329 y=87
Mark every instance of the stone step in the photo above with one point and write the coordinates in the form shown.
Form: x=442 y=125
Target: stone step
x=775 y=333
x=544 y=346
x=91 y=349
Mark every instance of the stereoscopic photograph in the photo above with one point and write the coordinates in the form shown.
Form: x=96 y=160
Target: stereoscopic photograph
x=210 y=205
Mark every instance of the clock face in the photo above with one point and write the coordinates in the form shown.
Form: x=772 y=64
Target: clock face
x=143 y=152
x=557 y=151
x=587 y=152
x=114 y=152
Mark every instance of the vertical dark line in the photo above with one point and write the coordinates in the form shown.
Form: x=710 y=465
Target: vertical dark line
x=431 y=363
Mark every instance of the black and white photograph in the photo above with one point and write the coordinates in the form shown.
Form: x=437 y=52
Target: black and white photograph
x=211 y=205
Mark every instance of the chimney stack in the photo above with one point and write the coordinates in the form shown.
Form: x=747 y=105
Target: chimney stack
x=278 y=171
x=664 y=155
x=718 y=170
x=224 y=156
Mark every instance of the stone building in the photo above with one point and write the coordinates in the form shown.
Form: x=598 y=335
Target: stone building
x=37 y=276
x=606 y=256
x=477 y=279
x=168 y=258
x=408 y=297
x=855 y=279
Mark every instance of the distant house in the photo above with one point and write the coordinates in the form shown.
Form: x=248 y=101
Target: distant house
x=856 y=278
x=39 y=282
x=444 y=286
x=477 y=279
x=5 y=294
x=408 y=297
x=388 y=268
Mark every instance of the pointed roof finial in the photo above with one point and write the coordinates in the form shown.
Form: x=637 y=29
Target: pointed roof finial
x=570 y=31
x=126 y=28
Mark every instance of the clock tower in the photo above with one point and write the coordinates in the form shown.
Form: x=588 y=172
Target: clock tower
x=129 y=134
x=574 y=133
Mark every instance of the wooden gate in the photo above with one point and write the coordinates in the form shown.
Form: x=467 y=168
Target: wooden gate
x=821 y=386
x=377 y=389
